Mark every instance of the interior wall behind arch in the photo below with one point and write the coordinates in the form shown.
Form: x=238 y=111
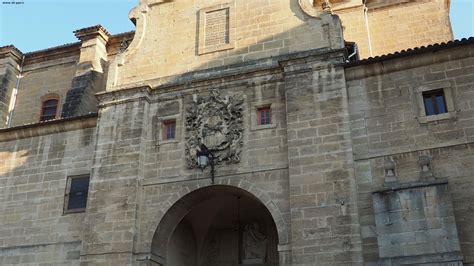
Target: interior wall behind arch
x=182 y=247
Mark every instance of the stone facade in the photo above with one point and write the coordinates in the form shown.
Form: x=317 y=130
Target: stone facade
x=386 y=125
x=349 y=170
x=35 y=165
x=383 y=26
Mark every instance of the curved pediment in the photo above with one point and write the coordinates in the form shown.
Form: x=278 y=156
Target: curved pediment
x=174 y=37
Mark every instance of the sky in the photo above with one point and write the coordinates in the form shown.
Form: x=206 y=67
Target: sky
x=32 y=25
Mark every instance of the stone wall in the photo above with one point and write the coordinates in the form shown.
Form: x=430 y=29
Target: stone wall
x=394 y=25
x=324 y=214
x=10 y=61
x=387 y=124
x=314 y=168
x=73 y=73
x=415 y=224
x=44 y=74
x=256 y=29
x=146 y=174
x=35 y=163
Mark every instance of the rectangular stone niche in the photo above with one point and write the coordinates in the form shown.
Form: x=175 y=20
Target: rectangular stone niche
x=215 y=29
x=415 y=225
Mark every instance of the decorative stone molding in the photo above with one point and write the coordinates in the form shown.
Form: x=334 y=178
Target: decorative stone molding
x=49 y=127
x=314 y=8
x=93 y=49
x=216 y=121
x=97 y=31
x=390 y=176
x=11 y=51
x=424 y=162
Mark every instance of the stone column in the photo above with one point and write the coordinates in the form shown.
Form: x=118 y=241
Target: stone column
x=10 y=64
x=88 y=80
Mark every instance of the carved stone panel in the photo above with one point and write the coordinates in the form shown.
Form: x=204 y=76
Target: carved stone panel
x=254 y=245
x=215 y=29
x=216 y=121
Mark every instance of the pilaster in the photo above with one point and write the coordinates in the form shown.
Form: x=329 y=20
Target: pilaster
x=324 y=215
x=109 y=229
x=89 y=78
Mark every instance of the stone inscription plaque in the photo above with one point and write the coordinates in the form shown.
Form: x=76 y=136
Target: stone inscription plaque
x=217 y=27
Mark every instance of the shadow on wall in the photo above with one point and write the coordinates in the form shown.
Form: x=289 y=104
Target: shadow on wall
x=200 y=220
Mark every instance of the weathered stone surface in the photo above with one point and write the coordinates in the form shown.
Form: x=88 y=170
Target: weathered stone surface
x=384 y=111
x=215 y=121
x=387 y=23
x=415 y=224
x=33 y=175
x=338 y=133
x=80 y=99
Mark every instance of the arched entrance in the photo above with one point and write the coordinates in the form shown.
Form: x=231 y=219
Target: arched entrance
x=216 y=225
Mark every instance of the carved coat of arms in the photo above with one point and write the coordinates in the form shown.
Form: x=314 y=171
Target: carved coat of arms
x=216 y=121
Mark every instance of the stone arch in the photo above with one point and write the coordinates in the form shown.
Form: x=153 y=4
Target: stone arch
x=187 y=198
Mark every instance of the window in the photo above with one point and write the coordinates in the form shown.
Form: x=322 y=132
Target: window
x=76 y=193
x=434 y=102
x=169 y=130
x=264 y=115
x=49 y=109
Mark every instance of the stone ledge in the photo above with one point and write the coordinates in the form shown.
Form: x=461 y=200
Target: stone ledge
x=57 y=52
x=11 y=51
x=49 y=127
x=34 y=246
x=449 y=258
x=232 y=70
x=408 y=59
x=436 y=182
x=435 y=118
x=404 y=150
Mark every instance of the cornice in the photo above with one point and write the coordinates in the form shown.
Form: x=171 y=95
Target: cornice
x=48 y=127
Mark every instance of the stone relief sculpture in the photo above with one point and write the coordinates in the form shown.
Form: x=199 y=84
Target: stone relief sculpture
x=254 y=245
x=217 y=122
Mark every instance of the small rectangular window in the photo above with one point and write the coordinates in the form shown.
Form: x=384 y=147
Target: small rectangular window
x=76 y=193
x=435 y=102
x=169 y=130
x=264 y=115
